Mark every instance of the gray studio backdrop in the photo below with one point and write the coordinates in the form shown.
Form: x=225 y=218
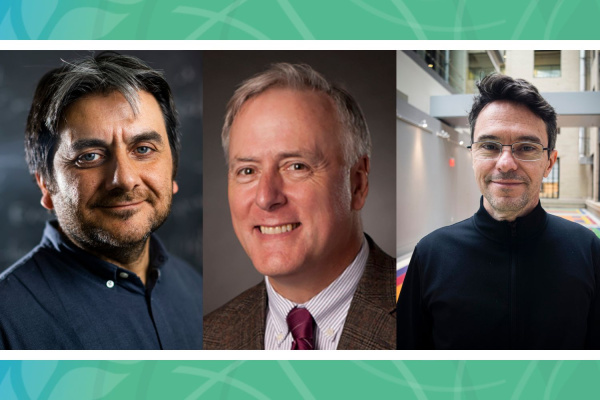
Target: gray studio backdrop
x=370 y=77
x=22 y=217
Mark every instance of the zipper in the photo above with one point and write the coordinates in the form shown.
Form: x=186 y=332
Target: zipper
x=513 y=339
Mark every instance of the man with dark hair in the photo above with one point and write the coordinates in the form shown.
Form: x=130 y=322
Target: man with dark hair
x=102 y=142
x=298 y=151
x=511 y=276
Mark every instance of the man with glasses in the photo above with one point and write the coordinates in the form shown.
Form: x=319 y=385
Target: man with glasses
x=511 y=276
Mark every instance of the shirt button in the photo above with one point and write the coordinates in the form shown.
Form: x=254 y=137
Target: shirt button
x=110 y=284
x=329 y=332
x=124 y=275
x=279 y=337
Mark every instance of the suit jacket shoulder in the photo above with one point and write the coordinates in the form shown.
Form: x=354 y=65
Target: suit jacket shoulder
x=370 y=324
x=239 y=324
x=371 y=320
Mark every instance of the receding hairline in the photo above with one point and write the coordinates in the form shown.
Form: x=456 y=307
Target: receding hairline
x=331 y=112
x=356 y=140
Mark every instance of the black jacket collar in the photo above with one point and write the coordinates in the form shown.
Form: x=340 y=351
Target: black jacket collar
x=525 y=227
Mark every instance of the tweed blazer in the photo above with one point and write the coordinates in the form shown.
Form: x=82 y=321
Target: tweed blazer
x=370 y=324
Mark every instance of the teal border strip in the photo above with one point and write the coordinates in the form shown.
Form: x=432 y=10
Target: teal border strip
x=291 y=20
x=307 y=19
x=299 y=379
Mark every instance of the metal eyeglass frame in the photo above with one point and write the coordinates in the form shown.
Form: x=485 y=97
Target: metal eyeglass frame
x=512 y=150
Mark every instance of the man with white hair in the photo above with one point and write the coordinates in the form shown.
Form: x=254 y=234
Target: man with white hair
x=298 y=154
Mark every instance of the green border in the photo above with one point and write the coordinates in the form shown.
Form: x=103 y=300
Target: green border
x=299 y=379
x=307 y=19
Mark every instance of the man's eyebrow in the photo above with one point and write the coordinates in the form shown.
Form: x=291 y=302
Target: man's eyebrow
x=296 y=154
x=312 y=156
x=83 y=144
x=522 y=138
x=243 y=159
x=150 y=136
x=529 y=138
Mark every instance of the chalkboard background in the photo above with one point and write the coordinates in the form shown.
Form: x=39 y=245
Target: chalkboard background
x=22 y=217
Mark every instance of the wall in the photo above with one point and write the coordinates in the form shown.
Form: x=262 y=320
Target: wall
x=413 y=81
x=430 y=193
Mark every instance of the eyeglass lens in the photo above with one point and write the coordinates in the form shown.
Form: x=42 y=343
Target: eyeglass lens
x=525 y=151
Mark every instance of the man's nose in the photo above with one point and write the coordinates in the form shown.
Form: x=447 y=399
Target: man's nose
x=269 y=192
x=123 y=173
x=506 y=161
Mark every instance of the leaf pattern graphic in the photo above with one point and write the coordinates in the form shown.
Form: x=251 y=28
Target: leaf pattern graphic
x=7 y=31
x=36 y=375
x=36 y=15
x=86 y=383
x=357 y=19
x=126 y=1
x=6 y=390
x=86 y=23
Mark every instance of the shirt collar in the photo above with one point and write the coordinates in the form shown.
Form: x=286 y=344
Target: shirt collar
x=524 y=227
x=330 y=306
x=105 y=270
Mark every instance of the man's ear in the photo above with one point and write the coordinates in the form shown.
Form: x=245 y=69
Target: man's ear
x=175 y=187
x=551 y=161
x=359 y=182
x=46 y=200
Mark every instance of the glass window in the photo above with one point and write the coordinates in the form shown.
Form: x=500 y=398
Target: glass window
x=546 y=64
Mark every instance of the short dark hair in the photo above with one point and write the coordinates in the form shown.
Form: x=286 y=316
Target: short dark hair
x=496 y=87
x=101 y=74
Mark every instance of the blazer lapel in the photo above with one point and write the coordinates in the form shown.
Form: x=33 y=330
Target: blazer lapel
x=371 y=320
x=252 y=327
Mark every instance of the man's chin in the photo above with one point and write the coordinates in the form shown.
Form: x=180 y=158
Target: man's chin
x=273 y=266
x=116 y=234
x=102 y=238
x=507 y=204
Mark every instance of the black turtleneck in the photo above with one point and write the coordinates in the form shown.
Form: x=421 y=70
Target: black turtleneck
x=487 y=284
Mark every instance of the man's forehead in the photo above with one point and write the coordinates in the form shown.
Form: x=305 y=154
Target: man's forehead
x=503 y=119
x=284 y=121
x=89 y=104
x=278 y=97
x=99 y=114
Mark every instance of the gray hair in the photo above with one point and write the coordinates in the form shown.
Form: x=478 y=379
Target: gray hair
x=105 y=73
x=357 y=139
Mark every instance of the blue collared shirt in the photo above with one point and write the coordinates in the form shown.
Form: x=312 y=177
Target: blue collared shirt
x=62 y=297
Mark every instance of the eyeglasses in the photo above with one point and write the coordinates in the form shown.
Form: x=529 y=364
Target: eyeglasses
x=523 y=151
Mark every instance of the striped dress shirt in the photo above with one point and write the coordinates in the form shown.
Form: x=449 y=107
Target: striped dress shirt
x=329 y=308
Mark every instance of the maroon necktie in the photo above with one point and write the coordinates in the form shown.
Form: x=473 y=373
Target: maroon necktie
x=300 y=323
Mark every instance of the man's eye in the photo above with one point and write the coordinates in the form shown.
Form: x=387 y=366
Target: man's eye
x=298 y=167
x=143 y=150
x=527 y=148
x=246 y=171
x=89 y=157
x=489 y=146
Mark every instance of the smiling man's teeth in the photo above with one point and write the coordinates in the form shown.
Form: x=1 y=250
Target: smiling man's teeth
x=275 y=230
